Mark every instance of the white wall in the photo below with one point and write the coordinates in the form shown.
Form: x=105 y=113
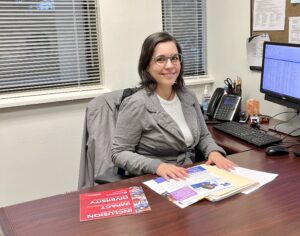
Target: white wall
x=40 y=144
x=40 y=148
x=228 y=29
x=124 y=26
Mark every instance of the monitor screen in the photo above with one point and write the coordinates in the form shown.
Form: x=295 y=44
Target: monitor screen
x=280 y=78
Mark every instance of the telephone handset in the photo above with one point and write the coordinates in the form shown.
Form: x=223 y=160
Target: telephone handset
x=223 y=107
x=214 y=101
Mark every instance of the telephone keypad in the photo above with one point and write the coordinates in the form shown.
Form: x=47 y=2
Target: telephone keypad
x=227 y=107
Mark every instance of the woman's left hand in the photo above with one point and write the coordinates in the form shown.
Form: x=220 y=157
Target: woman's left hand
x=220 y=161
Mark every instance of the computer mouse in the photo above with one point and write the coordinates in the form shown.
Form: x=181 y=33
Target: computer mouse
x=276 y=150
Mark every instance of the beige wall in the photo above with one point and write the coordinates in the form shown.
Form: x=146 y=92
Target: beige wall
x=124 y=26
x=40 y=144
x=228 y=29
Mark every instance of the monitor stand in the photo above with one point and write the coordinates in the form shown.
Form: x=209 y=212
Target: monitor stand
x=289 y=126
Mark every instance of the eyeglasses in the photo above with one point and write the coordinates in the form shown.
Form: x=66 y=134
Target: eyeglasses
x=162 y=60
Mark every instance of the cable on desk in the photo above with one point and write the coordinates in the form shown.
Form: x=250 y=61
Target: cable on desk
x=267 y=118
x=283 y=122
x=290 y=133
x=285 y=112
x=296 y=144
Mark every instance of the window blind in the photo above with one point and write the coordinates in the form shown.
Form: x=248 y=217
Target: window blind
x=48 y=44
x=186 y=21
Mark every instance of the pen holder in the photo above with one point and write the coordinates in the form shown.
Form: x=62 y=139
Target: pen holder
x=237 y=90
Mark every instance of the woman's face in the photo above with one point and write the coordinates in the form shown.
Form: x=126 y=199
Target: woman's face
x=165 y=64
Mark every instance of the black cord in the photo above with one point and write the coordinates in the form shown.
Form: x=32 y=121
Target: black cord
x=290 y=133
x=291 y=142
x=296 y=144
x=284 y=122
x=285 y=112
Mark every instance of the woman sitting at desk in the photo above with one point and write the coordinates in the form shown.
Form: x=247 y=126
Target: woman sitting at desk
x=160 y=126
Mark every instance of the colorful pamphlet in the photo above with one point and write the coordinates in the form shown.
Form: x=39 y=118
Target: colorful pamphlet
x=113 y=203
x=204 y=181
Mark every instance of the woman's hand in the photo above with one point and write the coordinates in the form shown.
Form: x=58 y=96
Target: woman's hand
x=220 y=161
x=170 y=171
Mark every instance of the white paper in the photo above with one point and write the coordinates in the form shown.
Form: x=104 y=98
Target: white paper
x=255 y=49
x=269 y=15
x=295 y=1
x=294 y=29
x=259 y=176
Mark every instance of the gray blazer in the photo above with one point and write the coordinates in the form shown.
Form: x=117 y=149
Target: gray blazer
x=100 y=120
x=146 y=135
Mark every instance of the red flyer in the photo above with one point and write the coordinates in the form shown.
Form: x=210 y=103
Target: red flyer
x=113 y=203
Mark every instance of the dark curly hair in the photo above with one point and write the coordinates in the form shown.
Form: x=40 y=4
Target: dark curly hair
x=147 y=81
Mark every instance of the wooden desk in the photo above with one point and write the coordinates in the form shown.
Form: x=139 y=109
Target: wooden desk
x=274 y=209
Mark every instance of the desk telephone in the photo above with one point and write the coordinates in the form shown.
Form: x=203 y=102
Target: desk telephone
x=223 y=107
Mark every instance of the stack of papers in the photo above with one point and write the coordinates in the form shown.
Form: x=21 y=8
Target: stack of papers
x=208 y=182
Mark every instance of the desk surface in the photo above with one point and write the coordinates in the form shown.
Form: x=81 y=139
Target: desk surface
x=274 y=209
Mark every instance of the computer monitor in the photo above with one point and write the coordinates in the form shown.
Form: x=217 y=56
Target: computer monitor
x=280 y=80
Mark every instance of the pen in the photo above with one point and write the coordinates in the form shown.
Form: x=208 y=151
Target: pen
x=238 y=88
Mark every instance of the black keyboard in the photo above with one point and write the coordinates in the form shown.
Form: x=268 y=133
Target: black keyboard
x=247 y=134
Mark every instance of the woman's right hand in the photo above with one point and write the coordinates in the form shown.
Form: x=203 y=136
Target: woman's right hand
x=170 y=171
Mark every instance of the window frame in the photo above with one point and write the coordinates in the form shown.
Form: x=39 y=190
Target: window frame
x=173 y=23
x=63 y=91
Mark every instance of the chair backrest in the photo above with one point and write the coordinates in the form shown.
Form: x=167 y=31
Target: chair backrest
x=100 y=120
